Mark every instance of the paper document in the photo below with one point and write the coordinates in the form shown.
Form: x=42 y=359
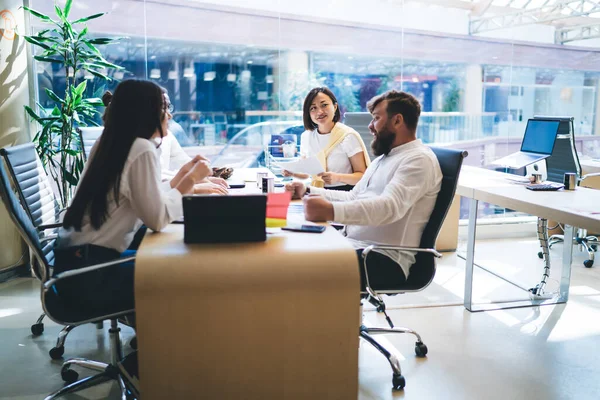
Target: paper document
x=310 y=166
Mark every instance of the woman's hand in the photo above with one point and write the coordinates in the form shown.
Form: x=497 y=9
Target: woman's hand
x=200 y=170
x=329 y=177
x=185 y=169
x=218 y=181
x=210 y=188
x=299 y=176
x=188 y=165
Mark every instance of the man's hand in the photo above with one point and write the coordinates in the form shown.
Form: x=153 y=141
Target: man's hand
x=329 y=177
x=210 y=188
x=285 y=172
x=297 y=188
x=218 y=181
x=317 y=209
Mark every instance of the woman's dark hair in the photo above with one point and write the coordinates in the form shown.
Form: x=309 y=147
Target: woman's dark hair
x=136 y=111
x=309 y=125
x=106 y=98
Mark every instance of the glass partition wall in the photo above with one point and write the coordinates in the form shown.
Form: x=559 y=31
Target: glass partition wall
x=237 y=72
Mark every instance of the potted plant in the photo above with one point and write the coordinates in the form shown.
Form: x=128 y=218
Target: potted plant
x=57 y=142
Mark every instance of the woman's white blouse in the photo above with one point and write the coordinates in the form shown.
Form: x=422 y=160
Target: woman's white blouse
x=141 y=201
x=312 y=142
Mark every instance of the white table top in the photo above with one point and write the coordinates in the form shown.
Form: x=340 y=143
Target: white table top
x=579 y=208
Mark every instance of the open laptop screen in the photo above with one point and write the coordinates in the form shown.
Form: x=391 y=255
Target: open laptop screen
x=540 y=136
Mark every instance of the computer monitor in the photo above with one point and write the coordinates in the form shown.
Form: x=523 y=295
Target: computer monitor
x=540 y=136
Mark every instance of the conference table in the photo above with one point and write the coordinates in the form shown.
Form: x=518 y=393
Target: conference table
x=267 y=320
x=579 y=208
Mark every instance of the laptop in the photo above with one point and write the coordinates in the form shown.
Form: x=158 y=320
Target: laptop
x=224 y=219
x=538 y=143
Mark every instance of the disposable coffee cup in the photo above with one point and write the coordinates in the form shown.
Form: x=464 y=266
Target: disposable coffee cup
x=570 y=181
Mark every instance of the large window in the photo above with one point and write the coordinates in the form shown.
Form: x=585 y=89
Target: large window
x=233 y=72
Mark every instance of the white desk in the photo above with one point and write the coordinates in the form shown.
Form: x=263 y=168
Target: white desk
x=574 y=208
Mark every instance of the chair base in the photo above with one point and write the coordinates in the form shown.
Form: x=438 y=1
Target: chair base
x=38 y=328
x=585 y=243
x=113 y=371
x=398 y=380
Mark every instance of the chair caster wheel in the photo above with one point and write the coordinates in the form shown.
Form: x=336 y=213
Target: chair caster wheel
x=398 y=382
x=37 y=329
x=69 y=376
x=540 y=254
x=56 y=352
x=588 y=263
x=420 y=349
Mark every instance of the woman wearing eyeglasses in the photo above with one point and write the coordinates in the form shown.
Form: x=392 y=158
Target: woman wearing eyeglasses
x=173 y=157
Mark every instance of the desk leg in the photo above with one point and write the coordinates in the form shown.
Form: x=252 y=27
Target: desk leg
x=565 y=278
x=470 y=254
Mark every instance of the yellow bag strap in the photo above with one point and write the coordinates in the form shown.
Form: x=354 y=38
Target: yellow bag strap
x=338 y=134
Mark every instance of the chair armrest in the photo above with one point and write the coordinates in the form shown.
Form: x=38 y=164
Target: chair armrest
x=81 y=271
x=49 y=226
x=367 y=250
x=589 y=176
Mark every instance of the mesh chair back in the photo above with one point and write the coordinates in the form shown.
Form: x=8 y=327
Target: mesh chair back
x=423 y=271
x=23 y=224
x=34 y=188
x=564 y=155
x=88 y=135
x=359 y=121
x=563 y=159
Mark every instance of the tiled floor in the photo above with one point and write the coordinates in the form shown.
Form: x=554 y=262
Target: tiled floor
x=548 y=352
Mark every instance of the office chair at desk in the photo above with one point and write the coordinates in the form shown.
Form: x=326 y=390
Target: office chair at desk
x=423 y=270
x=63 y=310
x=41 y=206
x=564 y=159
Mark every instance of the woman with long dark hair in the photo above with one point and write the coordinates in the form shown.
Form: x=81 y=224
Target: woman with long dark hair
x=121 y=188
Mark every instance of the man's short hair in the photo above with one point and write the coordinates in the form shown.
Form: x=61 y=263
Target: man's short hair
x=399 y=103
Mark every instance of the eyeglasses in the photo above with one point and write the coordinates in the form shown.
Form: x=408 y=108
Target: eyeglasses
x=170 y=108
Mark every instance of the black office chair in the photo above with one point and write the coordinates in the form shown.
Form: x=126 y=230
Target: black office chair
x=41 y=206
x=423 y=270
x=564 y=159
x=63 y=310
x=37 y=197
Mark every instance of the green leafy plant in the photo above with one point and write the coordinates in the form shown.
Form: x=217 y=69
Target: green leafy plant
x=57 y=142
x=452 y=98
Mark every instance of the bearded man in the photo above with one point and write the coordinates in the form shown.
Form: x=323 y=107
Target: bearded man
x=393 y=201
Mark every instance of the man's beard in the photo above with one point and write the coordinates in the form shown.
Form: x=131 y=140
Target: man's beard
x=382 y=142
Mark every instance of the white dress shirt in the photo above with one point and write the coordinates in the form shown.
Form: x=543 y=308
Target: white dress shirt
x=172 y=157
x=141 y=201
x=312 y=142
x=392 y=202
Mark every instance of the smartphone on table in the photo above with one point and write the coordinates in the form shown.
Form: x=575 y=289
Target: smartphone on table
x=305 y=228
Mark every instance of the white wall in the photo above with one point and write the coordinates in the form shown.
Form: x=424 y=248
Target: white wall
x=594 y=43
x=527 y=33
x=14 y=94
x=372 y=12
